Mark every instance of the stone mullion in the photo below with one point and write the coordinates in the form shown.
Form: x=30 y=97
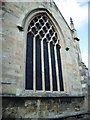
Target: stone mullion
x=42 y=63
x=50 y=68
x=57 y=72
x=34 y=64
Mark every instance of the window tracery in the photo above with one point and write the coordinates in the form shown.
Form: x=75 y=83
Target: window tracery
x=43 y=62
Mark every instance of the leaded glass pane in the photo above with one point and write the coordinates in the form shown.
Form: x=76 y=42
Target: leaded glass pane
x=29 y=62
x=38 y=65
x=53 y=67
x=46 y=66
x=59 y=68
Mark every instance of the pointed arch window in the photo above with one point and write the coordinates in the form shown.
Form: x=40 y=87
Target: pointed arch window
x=43 y=61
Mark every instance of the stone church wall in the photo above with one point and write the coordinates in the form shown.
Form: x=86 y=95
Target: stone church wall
x=14 y=42
x=19 y=103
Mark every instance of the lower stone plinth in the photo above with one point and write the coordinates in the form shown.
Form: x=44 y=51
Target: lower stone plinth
x=49 y=108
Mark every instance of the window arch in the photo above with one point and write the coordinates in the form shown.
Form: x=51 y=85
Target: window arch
x=43 y=62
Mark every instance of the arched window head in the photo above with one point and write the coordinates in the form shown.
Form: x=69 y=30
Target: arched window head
x=43 y=27
x=43 y=62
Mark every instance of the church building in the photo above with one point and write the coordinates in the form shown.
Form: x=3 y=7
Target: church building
x=43 y=75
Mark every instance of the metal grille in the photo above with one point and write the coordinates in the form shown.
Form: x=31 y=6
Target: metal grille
x=46 y=74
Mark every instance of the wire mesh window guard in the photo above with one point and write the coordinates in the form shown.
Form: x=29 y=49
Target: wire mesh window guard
x=43 y=61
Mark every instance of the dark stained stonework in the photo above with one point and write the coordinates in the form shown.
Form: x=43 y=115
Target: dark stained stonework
x=41 y=107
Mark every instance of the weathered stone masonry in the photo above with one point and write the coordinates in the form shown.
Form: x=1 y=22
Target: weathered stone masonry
x=21 y=103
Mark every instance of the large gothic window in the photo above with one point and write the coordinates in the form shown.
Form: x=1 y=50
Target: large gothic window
x=43 y=61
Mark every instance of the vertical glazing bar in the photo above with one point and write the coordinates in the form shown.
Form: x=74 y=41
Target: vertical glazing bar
x=34 y=65
x=50 y=68
x=57 y=75
x=42 y=63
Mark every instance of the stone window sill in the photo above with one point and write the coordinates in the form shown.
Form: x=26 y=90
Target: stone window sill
x=39 y=94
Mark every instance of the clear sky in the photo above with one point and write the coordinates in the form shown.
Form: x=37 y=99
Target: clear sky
x=78 y=10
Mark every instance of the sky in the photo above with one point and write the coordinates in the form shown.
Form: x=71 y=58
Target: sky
x=78 y=11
